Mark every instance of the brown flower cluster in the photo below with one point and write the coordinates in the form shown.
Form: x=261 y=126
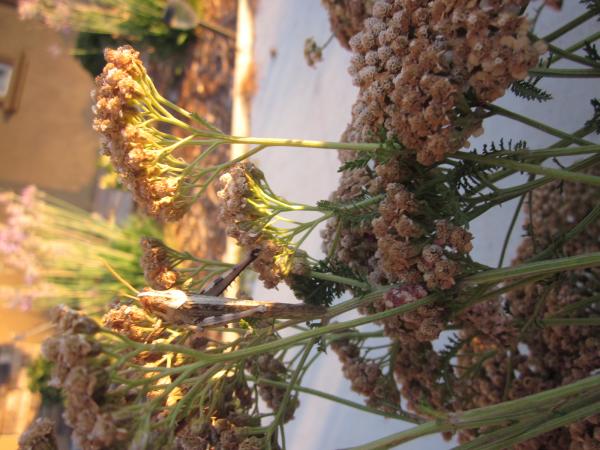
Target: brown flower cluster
x=157 y=265
x=82 y=379
x=133 y=322
x=418 y=369
x=346 y=17
x=247 y=219
x=399 y=228
x=415 y=60
x=423 y=324
x=122 y=103
x=543 y=356
x=268 y=367
x=223 y=427
x=39 y=436
x=354 y=244
x=366 y=377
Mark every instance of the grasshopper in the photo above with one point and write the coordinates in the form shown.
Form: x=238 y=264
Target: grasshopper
x=208 y=308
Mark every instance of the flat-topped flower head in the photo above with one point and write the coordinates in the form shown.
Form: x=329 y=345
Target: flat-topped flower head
x=415 y=61
x=251 y=212
x=128 y=112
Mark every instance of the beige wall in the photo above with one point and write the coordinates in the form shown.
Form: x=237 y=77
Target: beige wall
x=48 y=140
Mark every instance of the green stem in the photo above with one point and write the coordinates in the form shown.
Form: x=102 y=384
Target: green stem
x=286 y=397
x=504 y=195
x=569 y=26
x=340 y=400
x=538 y=125
x=589 y=219
x=535 y=268
x=566 y=54
x=540 y=426
x=339 y=279
x=576 y=305
x=274 y=142
x=571 y=321
x=536 y=405
x=559 y=174
x=223 y=31
x=576 y=46
x=550 y=152
x=564 y=73
x=511 y=227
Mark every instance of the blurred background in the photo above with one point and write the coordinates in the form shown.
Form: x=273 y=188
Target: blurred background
x=241 y=65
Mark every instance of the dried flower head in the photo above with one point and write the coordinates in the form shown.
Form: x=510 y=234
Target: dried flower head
x=39 y=436
x=346 y=17
x=313 y=53
x=251 y=212
x=415 y=60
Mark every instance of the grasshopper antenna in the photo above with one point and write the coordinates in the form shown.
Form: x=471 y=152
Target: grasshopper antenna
x=119 y=277
x=222 y=282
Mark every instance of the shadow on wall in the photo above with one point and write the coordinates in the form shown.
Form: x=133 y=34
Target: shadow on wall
x=45 y=112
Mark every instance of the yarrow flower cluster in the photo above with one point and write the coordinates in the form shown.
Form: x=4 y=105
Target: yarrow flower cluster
x=165 y=268
x=126 y=109
x=268 y=367
x=81 y=381
x=100 y=369
x=252 y=212
x=416 y=63
x=346 y=17
x=398 y=231
x=39 y=436
x=366 y=376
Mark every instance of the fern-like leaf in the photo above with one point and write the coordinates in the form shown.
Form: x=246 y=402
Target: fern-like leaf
x=591 y=51
x=595 y=120
x=529 y=91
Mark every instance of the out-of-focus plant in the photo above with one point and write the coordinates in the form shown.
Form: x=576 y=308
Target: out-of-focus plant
x=56 y=253
x=519 y=366
x=160 y=27
x=129 y=19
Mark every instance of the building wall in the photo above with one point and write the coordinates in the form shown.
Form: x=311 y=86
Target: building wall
x=48 y=140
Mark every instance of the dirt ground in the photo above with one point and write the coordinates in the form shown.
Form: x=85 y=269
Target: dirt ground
x=204 y=87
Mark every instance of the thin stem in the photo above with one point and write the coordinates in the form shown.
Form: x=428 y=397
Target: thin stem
x=566 y=54
x=340 y=400
x=535 y=124
x=570 y=321
x=576 y=46
x=273 y=142
x=535 y=268
x=564 y=73
x=589 y=219
x=535 y=405
x=559 y=174
x=339 y=279
x=511 y=227
x=569 y=26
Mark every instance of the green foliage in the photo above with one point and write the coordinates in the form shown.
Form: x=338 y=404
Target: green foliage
x=502 y=146
x=39 y=377
x=591 y=5
x=89 y=48
x=595 y=120
x=389 y=148
x=528 y=90
x=353 y=212
x=315 y=291
x=591 y=51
